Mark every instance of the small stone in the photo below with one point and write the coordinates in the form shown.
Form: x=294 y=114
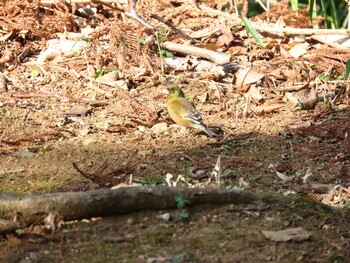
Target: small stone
x=142 y=128
x=102 y=125
x=129 y=237
x=145 y=152
x=159 y=128
x=130 y=221
x=3 y=83
x=84 y=131
x=47 y=147
x=200 y=172
x=23 y=154
x=33 y=255
x=314 y=140
x=300 y=259
x=165 y=216
x=115 y=240
x=88 y=141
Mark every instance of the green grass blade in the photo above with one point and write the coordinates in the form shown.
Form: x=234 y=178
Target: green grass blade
x=347 y=69
x=312 y=11
x=334 y=15
x=324 y=13
x=294 y=4
x=252 y=31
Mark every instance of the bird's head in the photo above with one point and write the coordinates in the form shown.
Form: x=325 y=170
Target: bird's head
x=175 y=90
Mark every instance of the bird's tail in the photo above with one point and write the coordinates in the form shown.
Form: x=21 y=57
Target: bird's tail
x=211 y=131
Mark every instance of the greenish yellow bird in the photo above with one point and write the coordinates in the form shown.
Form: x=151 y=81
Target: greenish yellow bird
x=183 y=112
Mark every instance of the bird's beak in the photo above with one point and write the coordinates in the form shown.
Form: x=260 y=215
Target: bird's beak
x=165 y=91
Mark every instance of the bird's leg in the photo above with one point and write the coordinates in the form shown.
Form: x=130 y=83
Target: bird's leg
x=183 y=131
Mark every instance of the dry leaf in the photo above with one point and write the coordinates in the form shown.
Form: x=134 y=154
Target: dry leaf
x=290 y=74
x=254 y=93
x=277 y=73
x=9 y=35
x=209 y=75
x=205 y=32
x=3 y=83
x=226 y=38
x=306 y=99
x=204 y=97
x=328 y=198
x=108 y=77
x=78 y=110
x=299 y=50
x=295 y=234
x=284 y=53
x=263 y=109
x=301 y=125
x=6 y=56
x=235 y=50
x=61 y=48
x=246 y=76
x=283 y=176
x=53 y=221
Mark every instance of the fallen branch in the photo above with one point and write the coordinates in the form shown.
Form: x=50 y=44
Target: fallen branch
x=217 y=57
x=34 y=94
x=39 y=136
x=301 y=31
x=109 y=202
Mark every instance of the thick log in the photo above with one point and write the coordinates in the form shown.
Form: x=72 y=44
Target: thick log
x=108 y=202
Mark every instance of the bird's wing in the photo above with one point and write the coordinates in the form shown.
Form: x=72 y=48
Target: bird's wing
x=194 y=116
x=184 y=109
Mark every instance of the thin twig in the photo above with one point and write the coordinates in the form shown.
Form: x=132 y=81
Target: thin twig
x=262 y=5
x=173 y=28
x=4 y=172
x=132 y=13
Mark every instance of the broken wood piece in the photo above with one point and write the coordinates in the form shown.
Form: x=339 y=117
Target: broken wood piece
x=217 y=57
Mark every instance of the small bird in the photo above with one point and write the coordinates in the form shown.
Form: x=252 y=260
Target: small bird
x=183 y=112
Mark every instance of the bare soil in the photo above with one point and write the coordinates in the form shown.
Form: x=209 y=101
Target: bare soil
x=51 y=119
